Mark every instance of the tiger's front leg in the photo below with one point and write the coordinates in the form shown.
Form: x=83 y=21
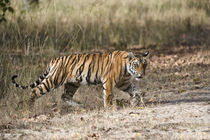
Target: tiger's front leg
x=108 y=95
x=135 y=93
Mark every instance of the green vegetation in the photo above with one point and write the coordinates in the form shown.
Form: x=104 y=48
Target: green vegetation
x=31 y=37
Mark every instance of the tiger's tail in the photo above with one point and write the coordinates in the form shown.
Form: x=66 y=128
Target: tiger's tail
x=33 y=85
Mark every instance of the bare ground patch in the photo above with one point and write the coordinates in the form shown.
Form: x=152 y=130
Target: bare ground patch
x=174 y=121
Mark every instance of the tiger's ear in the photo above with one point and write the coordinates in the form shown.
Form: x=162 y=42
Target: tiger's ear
x=145 y=54
x=130 y=55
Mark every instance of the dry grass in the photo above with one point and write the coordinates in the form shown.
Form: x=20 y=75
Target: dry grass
x=84 y=25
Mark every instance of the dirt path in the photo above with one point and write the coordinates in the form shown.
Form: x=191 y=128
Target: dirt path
x=186 y=117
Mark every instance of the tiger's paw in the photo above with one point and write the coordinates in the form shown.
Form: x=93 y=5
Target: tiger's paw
x=137 y=101
x=134 y=102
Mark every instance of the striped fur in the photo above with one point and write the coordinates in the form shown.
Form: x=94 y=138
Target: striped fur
x=109 y=69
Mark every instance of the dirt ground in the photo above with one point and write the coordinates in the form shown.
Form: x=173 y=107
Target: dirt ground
x=177 y=97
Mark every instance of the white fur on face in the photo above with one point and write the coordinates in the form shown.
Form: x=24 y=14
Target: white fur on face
x=132 y=70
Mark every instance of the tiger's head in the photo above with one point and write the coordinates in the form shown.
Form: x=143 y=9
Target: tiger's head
x=137 y=65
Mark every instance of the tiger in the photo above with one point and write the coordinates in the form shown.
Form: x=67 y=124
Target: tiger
x=110 y=69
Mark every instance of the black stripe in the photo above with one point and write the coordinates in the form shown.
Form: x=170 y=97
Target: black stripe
x=23 y=87
x=42 y=77
x=46 y=73
x=41 y=90
x=121 y=67
x=51 y=82
x=118 y=52
x=37 y=82
x=115 y=81
x=48 y=84
x=96 y=80
x=64 y=76
x=58 y=73
x=61 y=72
x=81 y=68
x=93 y=59
x=64 y=59
x=74 y=63
x=14 y=77
x=107 y=61
x=105 y=81
x=103 y=88
x=32 y=85
x=56 y=76
x=107 y=69
x=68 y=59
x=102 y=65
x=91 y=69
x=16 y=84
x=89 y=72
x=54 y=71
x=79 y=79
x=94 y=66
x=57 y=59
x=46 y=87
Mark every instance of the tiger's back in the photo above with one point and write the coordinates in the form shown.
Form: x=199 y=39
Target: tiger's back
x=86 y=68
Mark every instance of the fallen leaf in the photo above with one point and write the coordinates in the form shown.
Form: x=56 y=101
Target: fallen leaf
x=140 y=107
x=197 y=80
x=181 y=90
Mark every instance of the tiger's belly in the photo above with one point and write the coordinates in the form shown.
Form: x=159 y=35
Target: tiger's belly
x=85 y=80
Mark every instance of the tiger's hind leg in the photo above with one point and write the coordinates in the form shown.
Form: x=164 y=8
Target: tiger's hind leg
x=69 y=91
x=108 y=95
